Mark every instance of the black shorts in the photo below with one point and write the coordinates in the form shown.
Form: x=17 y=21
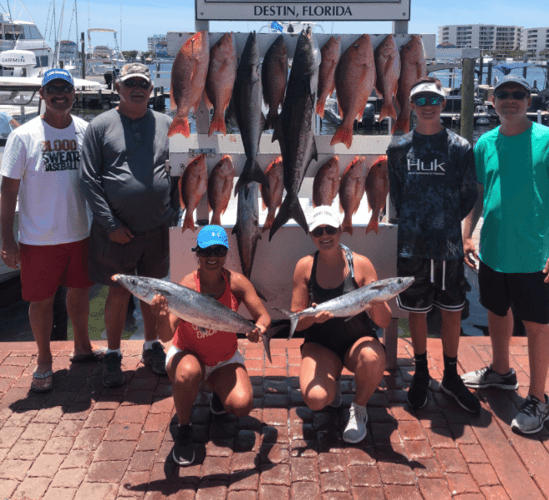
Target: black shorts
x=442 y=286
x=526 y=291
x=147 y=254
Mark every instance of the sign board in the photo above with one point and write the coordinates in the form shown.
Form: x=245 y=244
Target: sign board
x=303 y=10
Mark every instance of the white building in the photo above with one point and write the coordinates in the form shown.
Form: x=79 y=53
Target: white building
x=155 y=40
x=535 y=40
x=482 y=36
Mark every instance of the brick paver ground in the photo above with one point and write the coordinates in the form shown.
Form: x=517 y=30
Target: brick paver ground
x=83 y=441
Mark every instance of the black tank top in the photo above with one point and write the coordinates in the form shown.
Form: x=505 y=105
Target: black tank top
x=337 y=332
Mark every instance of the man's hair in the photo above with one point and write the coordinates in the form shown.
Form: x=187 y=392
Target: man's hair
x=428 y=79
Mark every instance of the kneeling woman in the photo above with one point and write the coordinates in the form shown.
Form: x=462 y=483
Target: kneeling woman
x=213 y=356
x=333 y=343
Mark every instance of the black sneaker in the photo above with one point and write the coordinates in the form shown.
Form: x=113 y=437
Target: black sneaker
x=112 y=375
x=419 y=390
x=155 y=357
x=216 y=406
x=454 y=386
x=183 y=452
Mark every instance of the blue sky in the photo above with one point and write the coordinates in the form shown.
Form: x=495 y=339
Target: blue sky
x=144 y=18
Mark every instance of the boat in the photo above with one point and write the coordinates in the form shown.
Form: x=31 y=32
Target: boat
x=103 y=63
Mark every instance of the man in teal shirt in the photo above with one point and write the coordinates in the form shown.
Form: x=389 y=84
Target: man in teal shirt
x=513 y=173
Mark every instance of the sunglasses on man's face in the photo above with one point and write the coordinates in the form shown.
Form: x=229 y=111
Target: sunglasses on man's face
x=216 y=250
x=137 y=82
x=424 y=101
x=516 y=94
x=59 y=89
x=317 y=232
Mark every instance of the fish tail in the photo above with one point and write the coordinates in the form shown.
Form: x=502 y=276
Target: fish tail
x=189 y=222
x=268 y=221
x=373 y=225
x=293 y=317
x=251 y=174
x=402 y=124
x=387 y=110
x=180 y=125
x=320 y=104
x=344 y=135
x=290 y=209
x=347 y=225
x=272 y=117
x=217 y=125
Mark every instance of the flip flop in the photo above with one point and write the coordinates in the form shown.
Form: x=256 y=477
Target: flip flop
x=42 y=376
x=89 y=357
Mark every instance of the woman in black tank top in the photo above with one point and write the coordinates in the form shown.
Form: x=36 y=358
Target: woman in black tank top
x=334 y=343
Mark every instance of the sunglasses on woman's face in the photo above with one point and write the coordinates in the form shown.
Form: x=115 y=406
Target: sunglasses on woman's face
x=216 y=250
x=317 y=232
x=423 y=101
x=516 y=94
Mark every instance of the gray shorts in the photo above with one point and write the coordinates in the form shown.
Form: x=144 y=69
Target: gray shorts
x=147 y=254
x=237 y=358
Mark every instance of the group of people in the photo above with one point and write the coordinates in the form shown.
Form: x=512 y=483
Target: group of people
x=57 y=162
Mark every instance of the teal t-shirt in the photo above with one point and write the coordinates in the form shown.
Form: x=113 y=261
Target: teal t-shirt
x=515 y=173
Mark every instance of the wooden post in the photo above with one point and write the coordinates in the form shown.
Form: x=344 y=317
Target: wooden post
x=83 y=55
x=480 y=70
x=467 y=99
x=489 y=74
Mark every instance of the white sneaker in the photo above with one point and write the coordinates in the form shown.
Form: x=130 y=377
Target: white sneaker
x=532 y=414
x=356 y=427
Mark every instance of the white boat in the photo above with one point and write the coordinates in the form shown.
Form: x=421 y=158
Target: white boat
x=102 y=59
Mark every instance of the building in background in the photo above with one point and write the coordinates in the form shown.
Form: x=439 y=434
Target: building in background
x=535 y=41
x=153 y=41
x=482 y=36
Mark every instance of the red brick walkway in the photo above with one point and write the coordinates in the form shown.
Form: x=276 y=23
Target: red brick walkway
x=83 y=441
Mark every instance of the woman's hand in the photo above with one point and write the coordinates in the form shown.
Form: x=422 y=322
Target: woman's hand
x=322 y=316
x=256 y=333
x=159 y=306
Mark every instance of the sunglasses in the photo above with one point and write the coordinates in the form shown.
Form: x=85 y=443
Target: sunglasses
x=317 y=232
x=56 y=89
x=516 y=94
x=137 y=82
x=216 y=250
x=432 y=100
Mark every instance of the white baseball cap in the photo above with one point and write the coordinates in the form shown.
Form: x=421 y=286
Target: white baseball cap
x=324 y=215
x=427 y=88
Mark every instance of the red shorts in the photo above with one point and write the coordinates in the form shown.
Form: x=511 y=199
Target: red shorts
x=44 y=268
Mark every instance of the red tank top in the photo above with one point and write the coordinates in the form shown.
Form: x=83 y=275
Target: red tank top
x=212 y=346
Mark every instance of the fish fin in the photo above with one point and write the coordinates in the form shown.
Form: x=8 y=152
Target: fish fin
x=402 y=124
x=290 y=209
x=251 y=174
x=272 y=118
x=373 y=225
x=180 y=126
x=267 y=336
x=343 y=135
x=217 y=125
x=294 y=318
x=347 y=226
x=320 y=108
x=207 y=101
x=387 y=110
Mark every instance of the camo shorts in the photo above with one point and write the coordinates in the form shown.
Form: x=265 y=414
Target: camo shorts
x=437 y=283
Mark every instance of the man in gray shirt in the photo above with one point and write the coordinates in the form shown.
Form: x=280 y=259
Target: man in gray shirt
x=124 y=178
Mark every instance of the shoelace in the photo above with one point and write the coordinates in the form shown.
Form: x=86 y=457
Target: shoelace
x=531 y=407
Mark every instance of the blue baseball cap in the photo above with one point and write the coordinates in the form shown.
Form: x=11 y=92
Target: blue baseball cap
x=211 y=235
x=513 y=79
x=57 y=74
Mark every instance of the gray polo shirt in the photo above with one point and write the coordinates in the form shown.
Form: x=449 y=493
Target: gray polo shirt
x=123 y=173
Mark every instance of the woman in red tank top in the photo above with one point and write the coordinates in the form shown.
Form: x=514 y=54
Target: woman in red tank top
x=208 y=354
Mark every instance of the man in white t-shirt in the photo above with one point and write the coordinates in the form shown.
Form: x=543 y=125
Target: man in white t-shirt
x=40 y=167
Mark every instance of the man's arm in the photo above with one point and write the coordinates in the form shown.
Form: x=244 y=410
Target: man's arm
x=469 y=224
x=468 y=189
x=8 y=202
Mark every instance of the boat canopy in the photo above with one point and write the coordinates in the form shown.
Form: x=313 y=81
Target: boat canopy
x=506 y=68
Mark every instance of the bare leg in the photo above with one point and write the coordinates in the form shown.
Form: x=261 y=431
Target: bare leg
x=538 y=356
x=320 y=368
x=149 y=321
x=232 y=384
x=418 y=331
x=450 y=330
x=366 y=359
x=41 y=321
x=501 y=330
x=186 y=372
x=116 y=306
x=78 y=309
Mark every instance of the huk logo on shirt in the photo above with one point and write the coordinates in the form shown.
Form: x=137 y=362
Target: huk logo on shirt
x=417 y=167
x=60 y=155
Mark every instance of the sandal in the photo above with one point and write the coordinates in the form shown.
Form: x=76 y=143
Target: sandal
x=89 y=357
x=42 y=376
